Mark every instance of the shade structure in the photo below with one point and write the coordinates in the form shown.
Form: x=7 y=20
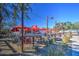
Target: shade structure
x=55 y=30
x=44 y=30
x=34 y=28
x=49 y=30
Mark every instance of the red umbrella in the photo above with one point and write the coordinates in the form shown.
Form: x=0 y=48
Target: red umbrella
x=14 y=30
x=35 y=28
x=27 y=29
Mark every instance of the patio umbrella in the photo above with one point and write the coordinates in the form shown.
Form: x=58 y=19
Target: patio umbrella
x=35 y=28
x=14 y=30
x=17 y=28
x=27 y=29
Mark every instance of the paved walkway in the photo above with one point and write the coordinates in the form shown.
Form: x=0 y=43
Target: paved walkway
x=75 y=43
x=9 y=48
x=6 y=48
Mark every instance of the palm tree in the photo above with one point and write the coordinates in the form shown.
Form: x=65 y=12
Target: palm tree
x=4 y=13
x=24 y=8
x=15 y=14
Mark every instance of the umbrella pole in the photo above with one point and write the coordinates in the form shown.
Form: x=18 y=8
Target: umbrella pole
x=33 y=41
x=47 y=26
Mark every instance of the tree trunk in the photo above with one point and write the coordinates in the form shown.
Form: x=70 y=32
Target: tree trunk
x=22 y=23
x=0 y=22
x=0 y=17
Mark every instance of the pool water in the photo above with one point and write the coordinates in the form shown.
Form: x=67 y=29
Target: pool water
x=73 y=53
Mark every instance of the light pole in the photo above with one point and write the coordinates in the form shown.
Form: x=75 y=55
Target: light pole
x=47 y=23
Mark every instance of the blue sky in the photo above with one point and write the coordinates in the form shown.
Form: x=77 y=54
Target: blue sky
x=61 y=12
